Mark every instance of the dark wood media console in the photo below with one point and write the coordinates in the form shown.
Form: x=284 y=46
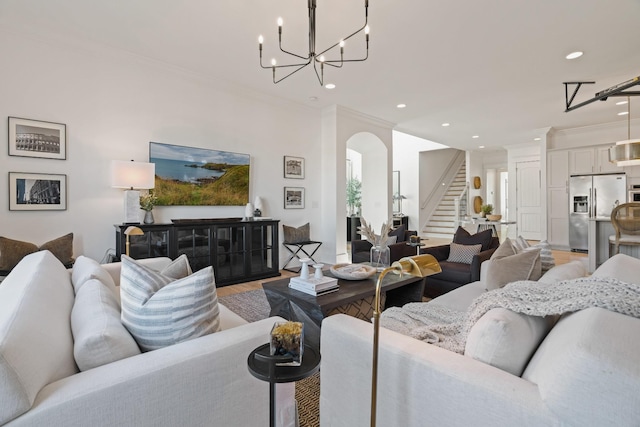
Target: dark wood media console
x=239 y=251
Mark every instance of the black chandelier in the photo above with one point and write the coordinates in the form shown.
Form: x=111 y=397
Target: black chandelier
x=314 y=57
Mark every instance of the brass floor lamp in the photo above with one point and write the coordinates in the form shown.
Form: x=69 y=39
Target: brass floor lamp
x=419 y=265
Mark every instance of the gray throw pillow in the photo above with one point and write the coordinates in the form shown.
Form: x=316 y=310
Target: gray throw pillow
x=463 y=254
x=522 y=266
x=296 y=235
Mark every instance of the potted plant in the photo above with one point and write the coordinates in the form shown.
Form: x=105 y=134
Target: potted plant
x=354 y=195
x=147 y=203
x=486 y=210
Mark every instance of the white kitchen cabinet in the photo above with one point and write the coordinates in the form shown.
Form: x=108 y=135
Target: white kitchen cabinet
x=558 y=199
x=591 y=160
x=603 y=165
x=581 y=161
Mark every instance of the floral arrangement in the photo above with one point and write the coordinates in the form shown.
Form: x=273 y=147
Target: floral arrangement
x=376 y=239
x=148 y=201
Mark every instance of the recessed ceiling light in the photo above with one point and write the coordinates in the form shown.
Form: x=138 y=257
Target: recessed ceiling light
x=446 y=124
x=401 y=105
x=623 y=113
x=475 y=136
x=536 y=139
x=313 y=98
x=621 y=102
x=481 y=146
x=330 y=86
x=574 y=55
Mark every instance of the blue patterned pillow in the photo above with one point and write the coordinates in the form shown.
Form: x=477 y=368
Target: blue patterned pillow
x=159 y=310
x=463 y=254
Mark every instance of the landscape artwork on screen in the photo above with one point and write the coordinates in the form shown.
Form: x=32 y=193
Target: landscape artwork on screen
x=189 y=176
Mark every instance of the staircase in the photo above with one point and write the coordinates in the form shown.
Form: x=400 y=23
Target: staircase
x=442 y=222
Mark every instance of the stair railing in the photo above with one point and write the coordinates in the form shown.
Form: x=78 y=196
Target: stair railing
x=449 y=173
x=460 y=204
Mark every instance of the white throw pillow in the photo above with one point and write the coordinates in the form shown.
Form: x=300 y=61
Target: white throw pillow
x=620 y=266
x=463 y=254
x=159 y=311
x=506 y=340
x=86 y=269
x=570 y=270
x=98 y=334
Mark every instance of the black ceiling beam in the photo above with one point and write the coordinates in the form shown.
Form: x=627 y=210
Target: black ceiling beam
x=617 y=90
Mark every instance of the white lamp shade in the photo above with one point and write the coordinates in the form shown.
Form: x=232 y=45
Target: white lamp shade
x=138 y=175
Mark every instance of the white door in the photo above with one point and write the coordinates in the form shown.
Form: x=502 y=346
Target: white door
x=528 y=199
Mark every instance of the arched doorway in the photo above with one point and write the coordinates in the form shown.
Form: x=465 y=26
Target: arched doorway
x=368 y=160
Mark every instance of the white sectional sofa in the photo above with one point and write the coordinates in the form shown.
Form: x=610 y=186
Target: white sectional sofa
x=585 y=372
x=201 y=382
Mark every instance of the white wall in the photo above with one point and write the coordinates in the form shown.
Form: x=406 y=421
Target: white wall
x=113 y=104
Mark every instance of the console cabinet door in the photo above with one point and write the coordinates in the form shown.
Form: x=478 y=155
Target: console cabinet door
x=229 y=255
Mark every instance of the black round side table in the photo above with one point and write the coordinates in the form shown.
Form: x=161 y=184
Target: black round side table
x=263 y=366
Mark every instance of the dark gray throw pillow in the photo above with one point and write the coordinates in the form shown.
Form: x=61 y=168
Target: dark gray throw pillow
x=399 y=232
x=463 y=237
x=296 y=235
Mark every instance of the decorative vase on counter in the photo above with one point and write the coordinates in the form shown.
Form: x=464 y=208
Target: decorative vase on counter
x=148 y=217
x=380 y=256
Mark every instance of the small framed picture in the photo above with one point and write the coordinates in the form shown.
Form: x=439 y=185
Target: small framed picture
x=293 y=197
x=33 y=138
x=37 y=192
x=294 y=167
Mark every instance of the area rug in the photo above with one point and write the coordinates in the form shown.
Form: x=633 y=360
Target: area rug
x=253 y=306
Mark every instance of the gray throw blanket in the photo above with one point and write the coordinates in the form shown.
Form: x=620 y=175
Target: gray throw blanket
x=447 y=328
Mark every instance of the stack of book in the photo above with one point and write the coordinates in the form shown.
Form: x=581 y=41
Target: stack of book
x=313 y=286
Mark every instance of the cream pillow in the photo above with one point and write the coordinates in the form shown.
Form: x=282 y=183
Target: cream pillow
x=160 y=311
x=522 y=266
x=506 y=340
x=86 y=269
x=622 y=267
x=99 y=337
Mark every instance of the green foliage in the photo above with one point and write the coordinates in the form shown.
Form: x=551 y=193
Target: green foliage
x=354 y=194
x=486 y=209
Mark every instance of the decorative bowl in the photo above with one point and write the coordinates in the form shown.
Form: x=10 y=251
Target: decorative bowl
x=494 y=217
x=352 y=271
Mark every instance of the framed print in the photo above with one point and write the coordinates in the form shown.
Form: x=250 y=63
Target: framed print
x=190 y=176
x=33 y=138
x=294 y=167
x=37 y=192
x=293 y=197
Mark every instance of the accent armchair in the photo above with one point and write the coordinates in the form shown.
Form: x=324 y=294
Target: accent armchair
x=455 y=274
x=360 y=249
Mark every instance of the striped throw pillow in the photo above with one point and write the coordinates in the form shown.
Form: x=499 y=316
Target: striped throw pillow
x=463 y=254
x=546 y=256
x=160 y=311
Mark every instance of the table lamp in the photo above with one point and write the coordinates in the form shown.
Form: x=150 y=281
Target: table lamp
x=131 y=231
x=133 y=176
x=419 y=265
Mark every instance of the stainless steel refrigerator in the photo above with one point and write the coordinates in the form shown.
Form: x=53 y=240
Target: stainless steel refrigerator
x=592 y=196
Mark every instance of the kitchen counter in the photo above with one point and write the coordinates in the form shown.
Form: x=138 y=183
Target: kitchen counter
x=600 y=229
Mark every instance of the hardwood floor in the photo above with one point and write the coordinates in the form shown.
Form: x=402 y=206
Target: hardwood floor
x=560 y=257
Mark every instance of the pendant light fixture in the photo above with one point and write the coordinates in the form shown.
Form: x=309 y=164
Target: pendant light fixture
x=316 y=58
x=627 y=152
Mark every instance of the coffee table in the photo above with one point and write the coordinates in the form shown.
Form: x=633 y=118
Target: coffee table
x=355 y=297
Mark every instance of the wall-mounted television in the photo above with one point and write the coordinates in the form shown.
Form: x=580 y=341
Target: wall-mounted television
x=190 y=176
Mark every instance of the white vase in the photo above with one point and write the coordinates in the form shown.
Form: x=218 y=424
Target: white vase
x=248 y=211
